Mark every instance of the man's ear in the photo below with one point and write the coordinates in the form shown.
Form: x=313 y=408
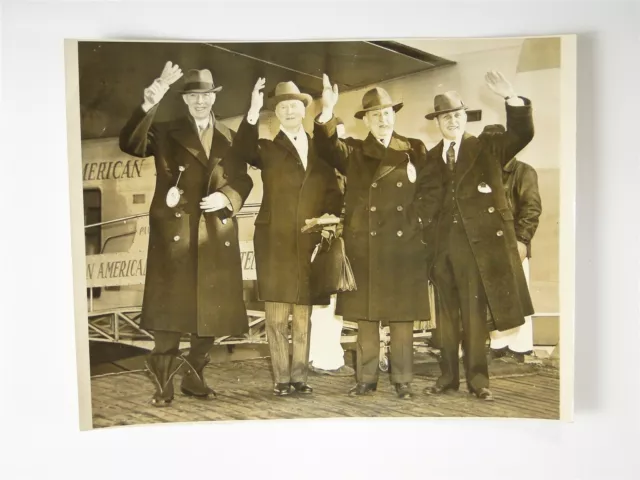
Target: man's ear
x=365 y=119
x=184 y=98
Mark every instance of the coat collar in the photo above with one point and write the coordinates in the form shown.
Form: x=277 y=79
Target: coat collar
x=186 y=133
x=510 y=166
x=397 y=152
x=282 y=140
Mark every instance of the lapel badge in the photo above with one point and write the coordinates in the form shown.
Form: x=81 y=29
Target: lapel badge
x=484 y=188
x=173 y=195
x=411 y=170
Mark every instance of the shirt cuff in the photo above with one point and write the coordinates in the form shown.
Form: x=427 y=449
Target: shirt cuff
x=252 y=118
x=146 y=106
x=516 y=101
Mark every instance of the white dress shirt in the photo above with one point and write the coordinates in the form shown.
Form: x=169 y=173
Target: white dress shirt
x=301 y=142
x=456 y=148
x=385 y=141
x=202 y=124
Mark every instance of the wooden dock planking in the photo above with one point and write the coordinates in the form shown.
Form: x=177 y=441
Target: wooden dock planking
x=244 y=393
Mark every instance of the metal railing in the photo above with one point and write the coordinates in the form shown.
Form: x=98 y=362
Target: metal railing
x=242 y=213
x=116 y=220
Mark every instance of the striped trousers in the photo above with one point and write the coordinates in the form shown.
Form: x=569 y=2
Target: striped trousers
x=277 y=326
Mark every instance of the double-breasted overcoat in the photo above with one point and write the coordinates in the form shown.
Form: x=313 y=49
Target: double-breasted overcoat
x=388 y=214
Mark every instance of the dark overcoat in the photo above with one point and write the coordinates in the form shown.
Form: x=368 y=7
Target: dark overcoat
x=194 y=275
x=385 y=221
x=523 y=197
x=291 y=195
x=487 y=219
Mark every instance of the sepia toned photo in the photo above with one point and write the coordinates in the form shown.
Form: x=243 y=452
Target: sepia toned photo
x=326 y=229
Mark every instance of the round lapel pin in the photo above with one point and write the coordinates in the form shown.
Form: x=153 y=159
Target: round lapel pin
x=484 y=188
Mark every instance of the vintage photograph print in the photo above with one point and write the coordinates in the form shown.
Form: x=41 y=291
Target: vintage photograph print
x=322 y=229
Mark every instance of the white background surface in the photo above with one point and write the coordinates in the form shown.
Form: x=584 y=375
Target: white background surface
x=38 y=390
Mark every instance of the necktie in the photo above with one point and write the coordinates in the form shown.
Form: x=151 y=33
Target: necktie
x=206 y=135
x=451 y=156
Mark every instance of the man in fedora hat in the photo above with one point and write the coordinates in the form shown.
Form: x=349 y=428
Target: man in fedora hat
x=194 y=274
x=523 y=197
x=394 y=191
x=297 y=185
x=477 y=266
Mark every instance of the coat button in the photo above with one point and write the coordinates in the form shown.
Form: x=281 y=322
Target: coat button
x=176 y=238
x=399 y=233
x=224 y=221
x=400 y=208
x=373 y=208
x=491 y=210
x=399 y=184
x=499 y=233
x=373 y=234
x=374 y=184
x=227 y=244
x=178 y=214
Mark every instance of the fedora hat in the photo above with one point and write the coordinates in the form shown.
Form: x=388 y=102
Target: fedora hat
x=199 y=81
x=287 y=91
x=376 y=99
x=445 y=103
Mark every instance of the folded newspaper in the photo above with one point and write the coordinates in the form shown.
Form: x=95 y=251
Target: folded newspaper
x=317 y=224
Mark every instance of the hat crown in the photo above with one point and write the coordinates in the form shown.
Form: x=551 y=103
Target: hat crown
x=286 y=88
x=376 y=97
x=448 y=101
x=198 y=76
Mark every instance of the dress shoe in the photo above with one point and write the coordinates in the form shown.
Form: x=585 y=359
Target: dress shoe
x=496 y=353
x=404 y=391
x=363 y=389
x=484 y=394
x=302 y=387
x=157 y=401
x=439 y=389
x=517 y=356
x=281 y=389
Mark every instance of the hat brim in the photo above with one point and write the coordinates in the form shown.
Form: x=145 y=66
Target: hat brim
x=271 y=102
x=201 y=90
x=432 y=115
x=396 y=107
